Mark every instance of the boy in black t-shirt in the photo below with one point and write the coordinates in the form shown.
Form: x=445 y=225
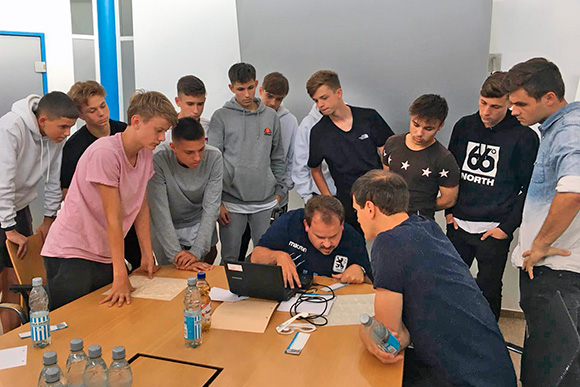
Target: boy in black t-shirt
x=426 y=295
x=425 y=164
x=89 y=99
x=350 y=139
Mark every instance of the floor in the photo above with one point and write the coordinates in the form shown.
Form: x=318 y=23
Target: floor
x=513 y=331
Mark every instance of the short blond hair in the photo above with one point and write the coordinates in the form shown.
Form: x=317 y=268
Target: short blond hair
x=80 y=92
x=321 y=78
x=149 y=104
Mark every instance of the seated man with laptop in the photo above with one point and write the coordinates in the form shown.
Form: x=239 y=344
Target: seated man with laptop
x=315 y=240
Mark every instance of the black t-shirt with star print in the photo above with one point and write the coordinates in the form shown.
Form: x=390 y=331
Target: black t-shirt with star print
x=424 y=171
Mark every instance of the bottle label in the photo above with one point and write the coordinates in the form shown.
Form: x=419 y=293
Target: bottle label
x=39 y=326
x=192 y=326
x=391 y=345
x=206 y=312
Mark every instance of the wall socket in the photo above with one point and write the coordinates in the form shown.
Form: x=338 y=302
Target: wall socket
x=494 y=63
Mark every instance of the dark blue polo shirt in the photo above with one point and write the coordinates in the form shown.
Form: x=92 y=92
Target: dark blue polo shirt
x=287 y=234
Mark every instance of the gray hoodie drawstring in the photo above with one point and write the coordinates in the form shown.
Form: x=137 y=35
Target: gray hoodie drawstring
x=42 y=158
x=48 y=170
x=41 y=153
x=244 y=122
x=258 y=124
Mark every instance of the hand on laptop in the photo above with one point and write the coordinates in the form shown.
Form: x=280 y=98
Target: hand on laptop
x=352 y=275
x=288 y=270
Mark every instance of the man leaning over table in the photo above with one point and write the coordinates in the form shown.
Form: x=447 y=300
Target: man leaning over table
x=426 y=295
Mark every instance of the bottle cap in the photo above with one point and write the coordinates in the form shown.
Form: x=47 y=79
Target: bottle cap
x=191 y=281
x=37 y=281
x=201 y=276
x=49 y=358
x=94 y=351
x=365 y=319
x=52 y=375
x=76 y=344
x=118 y=352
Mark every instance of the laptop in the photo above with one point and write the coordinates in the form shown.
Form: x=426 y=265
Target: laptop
x=261 y=281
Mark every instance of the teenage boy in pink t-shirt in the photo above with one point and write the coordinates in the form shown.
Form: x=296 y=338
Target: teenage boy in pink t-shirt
x=84 y=249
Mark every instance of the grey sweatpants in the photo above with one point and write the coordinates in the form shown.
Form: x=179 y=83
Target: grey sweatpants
x=231 y=234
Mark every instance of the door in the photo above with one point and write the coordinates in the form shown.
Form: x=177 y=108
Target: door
x=23 y=72
x=22 y=68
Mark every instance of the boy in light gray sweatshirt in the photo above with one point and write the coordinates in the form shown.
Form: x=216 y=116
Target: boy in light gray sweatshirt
x=32 y=135
x=184 y=197
x=248 y=134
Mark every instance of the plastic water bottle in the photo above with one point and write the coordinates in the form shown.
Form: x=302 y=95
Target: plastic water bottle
x=75 y=363
x=95 y=374
x=53 y=378
x=192 y=314
x=379 y=334
x=49 y=361
x=204 y=288
x=120 y=374
x=39 y=321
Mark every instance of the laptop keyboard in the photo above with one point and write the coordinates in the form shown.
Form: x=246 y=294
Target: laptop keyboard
x=305 y=280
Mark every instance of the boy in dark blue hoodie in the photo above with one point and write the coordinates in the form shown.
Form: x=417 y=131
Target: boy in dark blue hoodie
x=248 y=135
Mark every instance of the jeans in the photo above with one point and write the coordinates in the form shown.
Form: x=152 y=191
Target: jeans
x=491 y=255
x=72 y=278
x=534 y=296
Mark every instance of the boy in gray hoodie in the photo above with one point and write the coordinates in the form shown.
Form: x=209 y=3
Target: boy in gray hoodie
x=31 y=141
x=249 y=137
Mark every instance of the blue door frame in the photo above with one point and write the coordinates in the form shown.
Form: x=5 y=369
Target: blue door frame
x=42 y=52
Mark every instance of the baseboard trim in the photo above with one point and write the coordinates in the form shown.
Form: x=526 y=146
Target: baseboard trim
x=512 y=314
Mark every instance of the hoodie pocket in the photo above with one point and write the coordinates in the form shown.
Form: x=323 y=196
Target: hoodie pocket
x=253 y=186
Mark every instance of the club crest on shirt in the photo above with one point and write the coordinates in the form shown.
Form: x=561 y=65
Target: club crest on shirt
x=340 y=263
x=363 y=136
x=267 y=132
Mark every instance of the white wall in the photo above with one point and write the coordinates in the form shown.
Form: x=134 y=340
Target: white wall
x=53 y=19
x=186 y=37
x=523 y=29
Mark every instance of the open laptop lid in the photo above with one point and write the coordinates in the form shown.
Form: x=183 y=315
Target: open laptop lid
x=256 y=280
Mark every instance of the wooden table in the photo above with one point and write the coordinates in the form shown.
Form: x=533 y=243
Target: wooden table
x=333 y=356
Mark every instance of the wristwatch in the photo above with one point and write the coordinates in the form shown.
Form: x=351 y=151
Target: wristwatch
x=363 y=269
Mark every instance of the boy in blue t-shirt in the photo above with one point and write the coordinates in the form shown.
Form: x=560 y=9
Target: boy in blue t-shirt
x=315 y=240
x=426 y=295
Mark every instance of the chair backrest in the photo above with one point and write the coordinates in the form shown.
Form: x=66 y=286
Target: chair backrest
x=32 y=264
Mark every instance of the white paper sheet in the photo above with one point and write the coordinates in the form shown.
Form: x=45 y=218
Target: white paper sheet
x=158 y=288
x=348 y=308
x=13 y=357
x=219 y=294
x=309 y=307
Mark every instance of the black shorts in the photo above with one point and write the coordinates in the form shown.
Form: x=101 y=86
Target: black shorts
x=23 y=226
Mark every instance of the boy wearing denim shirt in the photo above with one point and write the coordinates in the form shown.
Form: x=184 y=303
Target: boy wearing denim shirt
x=549 y=242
